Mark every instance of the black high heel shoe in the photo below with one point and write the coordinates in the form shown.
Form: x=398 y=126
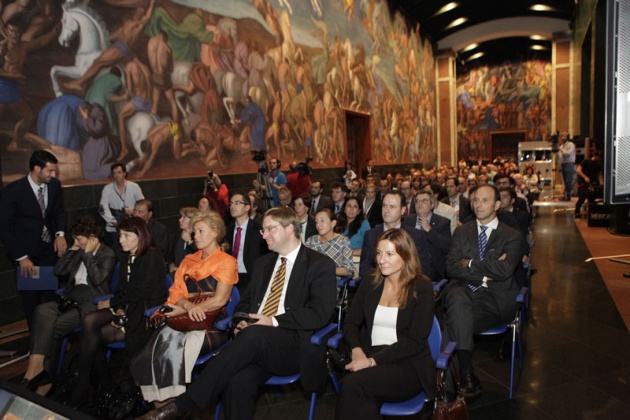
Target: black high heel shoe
x=42 y=378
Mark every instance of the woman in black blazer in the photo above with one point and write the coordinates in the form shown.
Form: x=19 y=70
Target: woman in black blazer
x=387 y=328
x=88 y=266
x=142 y=284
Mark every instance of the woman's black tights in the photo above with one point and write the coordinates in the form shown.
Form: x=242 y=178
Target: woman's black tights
x=97 y=330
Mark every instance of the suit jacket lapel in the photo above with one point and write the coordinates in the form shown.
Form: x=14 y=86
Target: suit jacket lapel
x=494 y=237
x=298 y=273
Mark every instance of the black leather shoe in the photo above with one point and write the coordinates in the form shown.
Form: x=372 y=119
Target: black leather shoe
x=471 y=385
x=166 y=412
x=42 y=378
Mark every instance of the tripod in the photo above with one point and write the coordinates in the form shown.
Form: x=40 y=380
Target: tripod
x=263 y=188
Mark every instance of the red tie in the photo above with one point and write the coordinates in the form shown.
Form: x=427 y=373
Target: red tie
x=237 y=242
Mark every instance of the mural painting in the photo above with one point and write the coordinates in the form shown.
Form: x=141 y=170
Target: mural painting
x=513 y=96
x=174 y=88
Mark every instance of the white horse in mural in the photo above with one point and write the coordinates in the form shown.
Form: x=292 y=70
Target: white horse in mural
x=80 y=19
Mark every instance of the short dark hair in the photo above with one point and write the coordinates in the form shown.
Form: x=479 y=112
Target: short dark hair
x=118 y=165
x=277 y=160
x=139 y=227
x=147 y=203
x=454 y=178
x=41 y=158
x=338 y=184
x=86 y=226
x=306 y=199
x=398 y=194
x=321 y=183
x=510 y=190
x=246 y=199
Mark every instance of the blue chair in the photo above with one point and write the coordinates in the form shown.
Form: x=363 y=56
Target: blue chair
x=413 y=405
x=317 y=339
x=515 y=325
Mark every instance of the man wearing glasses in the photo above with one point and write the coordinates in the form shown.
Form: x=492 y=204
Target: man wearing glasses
x=243 y=238
x=438 y=230
x=292 y=294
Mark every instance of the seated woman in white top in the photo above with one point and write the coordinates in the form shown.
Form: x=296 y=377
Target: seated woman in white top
x=393 y=361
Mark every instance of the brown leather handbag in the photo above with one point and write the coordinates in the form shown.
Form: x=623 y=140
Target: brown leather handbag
x=184 y=323
x=449 y=410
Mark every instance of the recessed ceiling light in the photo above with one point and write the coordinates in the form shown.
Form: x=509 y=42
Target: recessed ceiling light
x=457 y=22
x=475 y=56
x=470 y=47
x=541 y=8
x=537 y=38
x=538 y=47
x=447 y=8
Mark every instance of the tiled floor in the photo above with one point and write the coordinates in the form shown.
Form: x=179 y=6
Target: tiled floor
x=577 y=347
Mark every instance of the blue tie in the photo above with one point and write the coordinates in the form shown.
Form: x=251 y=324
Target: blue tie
x=483 y=241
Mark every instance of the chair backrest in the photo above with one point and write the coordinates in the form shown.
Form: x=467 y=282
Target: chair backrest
x=169 y=281
x=235 y=297
x=115 y=278
x=435 y=339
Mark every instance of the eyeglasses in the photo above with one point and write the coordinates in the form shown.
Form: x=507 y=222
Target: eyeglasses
x=423 y=200
x=236 y=203
x=268 y=229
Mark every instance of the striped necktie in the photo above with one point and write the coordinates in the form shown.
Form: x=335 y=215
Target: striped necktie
x=483 y=241
x=273 y=300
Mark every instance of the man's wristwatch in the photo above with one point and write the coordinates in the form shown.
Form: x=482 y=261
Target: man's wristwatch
x=372 y=362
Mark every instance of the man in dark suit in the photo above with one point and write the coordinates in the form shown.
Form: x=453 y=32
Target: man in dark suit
x=481 y=293
x=244 y=239
x=503 y=181
x=32 y=223
x=408 y=207
x=319 y=200
x=372 y=206
x=438 y=230
x=368 y=170
x=392 y=215
x=144 y=210
x=457 y=200
x=292 y=293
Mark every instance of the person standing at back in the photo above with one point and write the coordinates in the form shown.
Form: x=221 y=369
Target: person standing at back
x=117 y=201
x=33 y=223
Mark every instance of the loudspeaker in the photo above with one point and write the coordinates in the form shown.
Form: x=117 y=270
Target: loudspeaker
x=617 y=132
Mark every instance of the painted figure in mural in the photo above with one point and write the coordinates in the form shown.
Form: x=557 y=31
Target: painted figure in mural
x=160 y=57
x=107 y=90
x=207 y=141
x=169 y=133
x=13 y=52
x=274 y=128
x=252 y=114
x=308 y=132
x=39 y=14
x=138 y=94
x=200 y=80
x=121 y=50
x=79 y=20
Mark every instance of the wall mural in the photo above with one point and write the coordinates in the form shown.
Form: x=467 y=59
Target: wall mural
x=174 y=88
x=513 y=96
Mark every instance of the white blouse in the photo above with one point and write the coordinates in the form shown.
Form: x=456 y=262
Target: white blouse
x=384 y=329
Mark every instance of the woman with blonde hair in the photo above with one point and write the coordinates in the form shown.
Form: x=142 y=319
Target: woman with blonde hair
x=392 y=362
x=164 y=366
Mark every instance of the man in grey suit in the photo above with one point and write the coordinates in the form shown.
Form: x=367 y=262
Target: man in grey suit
x=438 y=230
x=481 y=293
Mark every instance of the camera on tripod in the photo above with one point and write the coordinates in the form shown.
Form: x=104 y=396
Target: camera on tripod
x=259 y=155
x=210 y=179
x=304 y=168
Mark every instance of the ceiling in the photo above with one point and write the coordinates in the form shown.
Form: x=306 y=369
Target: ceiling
x=502 y=29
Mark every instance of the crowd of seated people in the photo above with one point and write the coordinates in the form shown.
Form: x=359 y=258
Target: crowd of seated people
x=409 y=242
